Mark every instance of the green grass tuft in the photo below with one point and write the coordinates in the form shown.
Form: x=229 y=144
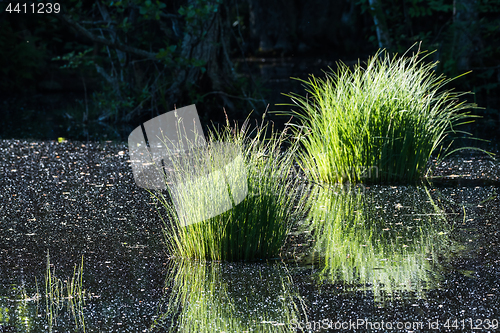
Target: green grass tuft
x=255 y=228
x=376 y=123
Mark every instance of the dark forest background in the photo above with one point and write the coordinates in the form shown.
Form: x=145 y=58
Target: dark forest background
x=97 y=69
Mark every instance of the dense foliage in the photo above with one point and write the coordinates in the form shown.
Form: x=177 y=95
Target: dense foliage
x=133 y=59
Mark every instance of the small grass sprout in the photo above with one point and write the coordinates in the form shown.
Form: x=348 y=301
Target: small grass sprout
x=377 y=123
x=57 y=291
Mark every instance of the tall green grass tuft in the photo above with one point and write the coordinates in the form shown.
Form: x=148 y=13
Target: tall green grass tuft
x=254 y=228
x=380 y=122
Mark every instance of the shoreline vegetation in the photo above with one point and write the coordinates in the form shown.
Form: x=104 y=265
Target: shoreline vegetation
x=381 y=122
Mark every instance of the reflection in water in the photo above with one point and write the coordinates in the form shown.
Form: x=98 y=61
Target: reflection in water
x=16 y=312
x=211 y=297
x=64 y=300
x=386 y=241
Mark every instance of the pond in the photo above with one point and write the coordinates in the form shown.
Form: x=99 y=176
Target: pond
x=421 y=258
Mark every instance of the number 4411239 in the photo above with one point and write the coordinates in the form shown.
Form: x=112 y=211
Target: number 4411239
x=38 y=8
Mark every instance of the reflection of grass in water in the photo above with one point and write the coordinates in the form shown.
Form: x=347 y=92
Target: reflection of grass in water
x=199 y=301
x=57 y=291
x=256 y=227
x=21 y=316
x=357 y=247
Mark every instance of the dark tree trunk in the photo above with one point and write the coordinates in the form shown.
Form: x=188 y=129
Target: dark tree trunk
x=202 y=65
x=273 y=24
x=384 y=40
x=209 y=45
x=466 y=34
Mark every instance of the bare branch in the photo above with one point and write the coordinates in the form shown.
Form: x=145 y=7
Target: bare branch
x=170 y=16
x=232 y=96
x=98 y=22
x=104 y=41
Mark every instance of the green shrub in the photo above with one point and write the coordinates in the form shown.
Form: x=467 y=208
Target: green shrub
x=254 y=228
x=378 y=123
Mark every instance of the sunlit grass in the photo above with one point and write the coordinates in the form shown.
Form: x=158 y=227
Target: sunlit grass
x=378 y=122
x=257 y=227
x=71 y=291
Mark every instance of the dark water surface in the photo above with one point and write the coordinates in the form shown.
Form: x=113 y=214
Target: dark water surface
x=411 y=256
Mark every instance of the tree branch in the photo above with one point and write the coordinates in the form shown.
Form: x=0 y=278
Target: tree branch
x=125 y=48
x=98 y=22
x=170 y=16
x=232 y=96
